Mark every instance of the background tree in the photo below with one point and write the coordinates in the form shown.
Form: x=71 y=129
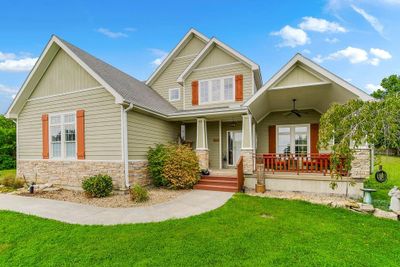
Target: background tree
x=389 y=85
x=7 y=143
x=346 y=127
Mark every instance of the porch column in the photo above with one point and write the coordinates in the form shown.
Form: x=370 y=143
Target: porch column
x=202 y=144
x=247 y=151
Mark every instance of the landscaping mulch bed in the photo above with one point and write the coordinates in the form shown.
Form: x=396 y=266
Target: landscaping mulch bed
x=116 y=200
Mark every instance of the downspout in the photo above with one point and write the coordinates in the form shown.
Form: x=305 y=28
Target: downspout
x=125 y=143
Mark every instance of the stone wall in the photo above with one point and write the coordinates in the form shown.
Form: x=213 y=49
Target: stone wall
x=203 y=156
x=361 y=165
x=138 y=172
x=69 y=173
x=248 y=160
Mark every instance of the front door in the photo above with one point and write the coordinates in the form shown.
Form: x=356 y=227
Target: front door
x=234 y=146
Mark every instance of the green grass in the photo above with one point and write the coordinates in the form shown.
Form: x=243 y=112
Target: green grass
x=392 y=167
x=292 y=233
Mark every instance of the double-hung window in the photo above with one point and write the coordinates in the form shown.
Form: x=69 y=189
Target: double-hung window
x=293 y=139
x=63 y=136
x=217 y=90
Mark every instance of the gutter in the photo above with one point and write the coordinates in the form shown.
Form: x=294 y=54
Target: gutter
x=125 y=143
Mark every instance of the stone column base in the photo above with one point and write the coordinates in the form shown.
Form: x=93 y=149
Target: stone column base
x=248 y=160
x=361 y=164
x=203 y=156
x=138 y=172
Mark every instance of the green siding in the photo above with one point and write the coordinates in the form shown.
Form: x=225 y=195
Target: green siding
x=63 y=75
x=102 y=123
x=279 y=118
x=145 y=131
x=213 y=144
x=298 y=76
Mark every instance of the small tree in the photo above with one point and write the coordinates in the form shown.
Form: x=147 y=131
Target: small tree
x=358 y=122
x=7 y=143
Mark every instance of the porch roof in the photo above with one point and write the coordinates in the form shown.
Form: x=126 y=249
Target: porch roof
x=311 y=85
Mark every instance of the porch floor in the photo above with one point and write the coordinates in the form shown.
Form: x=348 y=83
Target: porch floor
x=223 y=173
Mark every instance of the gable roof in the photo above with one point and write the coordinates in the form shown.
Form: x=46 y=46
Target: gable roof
x=207 y=49
x=122 y=86
x=299 y=58
x=184 y=41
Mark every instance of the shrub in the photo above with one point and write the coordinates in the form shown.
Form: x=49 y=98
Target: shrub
x=99 y=185
x=139 y=193
x=12 y=182
x=156 y=160
x=181 y=167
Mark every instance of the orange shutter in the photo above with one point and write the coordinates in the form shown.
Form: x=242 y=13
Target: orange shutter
x=314 y=128
x=239 y=87
x=45 y=136
x=195 y=93
x=80 y=133
x=272 y=138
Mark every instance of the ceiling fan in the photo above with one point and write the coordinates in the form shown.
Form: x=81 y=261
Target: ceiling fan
x=294 y=110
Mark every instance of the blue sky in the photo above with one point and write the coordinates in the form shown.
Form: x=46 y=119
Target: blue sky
x=356 y=39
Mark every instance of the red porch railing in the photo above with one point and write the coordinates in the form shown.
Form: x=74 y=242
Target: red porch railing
x=240 y=174
x=298 y=163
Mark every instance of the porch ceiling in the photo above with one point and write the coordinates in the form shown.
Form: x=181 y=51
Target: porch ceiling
x=318 y=97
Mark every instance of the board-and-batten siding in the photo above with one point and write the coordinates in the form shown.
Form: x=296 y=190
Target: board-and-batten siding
x=280 y=118
x=167 y=79
x=217 y=72
x=63 y=75
x=146 y=131
x=102 y=123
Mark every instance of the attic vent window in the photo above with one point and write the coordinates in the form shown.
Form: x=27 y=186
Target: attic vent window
x=174 y=94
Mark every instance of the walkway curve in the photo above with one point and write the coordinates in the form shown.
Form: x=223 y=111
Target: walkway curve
x=192 y=203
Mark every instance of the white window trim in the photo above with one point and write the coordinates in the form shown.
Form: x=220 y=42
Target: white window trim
x=210 y=102
x=63 y=150
x=169 y=94
x=227 y=147
x=292 y=139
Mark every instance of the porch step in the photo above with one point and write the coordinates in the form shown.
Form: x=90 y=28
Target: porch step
x=217 y=183
x=223 y=188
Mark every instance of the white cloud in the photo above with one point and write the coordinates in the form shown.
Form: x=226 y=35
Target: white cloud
x=8 y=90
x=111 y=34
x=373 y=21
x=320 y=25
x=130 y=29
x=372 y=87
x=306 y=51
x=357 y=55
x=18 y=65
x=380 y=53
x=292 y=37
x=331 y=40
x=4 y=56
x=160 y=54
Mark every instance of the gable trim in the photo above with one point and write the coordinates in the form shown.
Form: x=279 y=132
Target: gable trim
x=315 y=67
x=203 y=53
x=217 y=66
x=299 y=85
x=55 y=40
x=192 y=32
x=67 y=93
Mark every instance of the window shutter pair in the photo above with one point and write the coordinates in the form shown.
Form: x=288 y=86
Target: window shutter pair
x=238 y=90
x=80 y=135
x=314 y=128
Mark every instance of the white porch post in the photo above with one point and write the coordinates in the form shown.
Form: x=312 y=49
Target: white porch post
x=202 y=143
x=247 y=151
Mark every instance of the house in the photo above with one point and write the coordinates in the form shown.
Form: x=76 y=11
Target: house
x=78 y=116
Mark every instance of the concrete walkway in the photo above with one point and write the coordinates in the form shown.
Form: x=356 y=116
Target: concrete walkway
x=193 y=203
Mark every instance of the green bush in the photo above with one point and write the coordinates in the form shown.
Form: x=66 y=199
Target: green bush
x=156 y=159
x=7 y=143
x=99 y=185
x=139 y=193
x=181 y=168
x=12 y=182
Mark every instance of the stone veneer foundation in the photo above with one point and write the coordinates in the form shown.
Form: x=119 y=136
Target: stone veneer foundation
x=69 y=173
x=138 y=172
x=361 y=164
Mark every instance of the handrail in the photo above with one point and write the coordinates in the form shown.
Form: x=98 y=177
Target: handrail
x=240 y=174
x=299 y=163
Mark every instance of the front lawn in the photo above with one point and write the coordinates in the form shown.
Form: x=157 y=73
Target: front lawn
x=249 y=231
x=392 y=167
